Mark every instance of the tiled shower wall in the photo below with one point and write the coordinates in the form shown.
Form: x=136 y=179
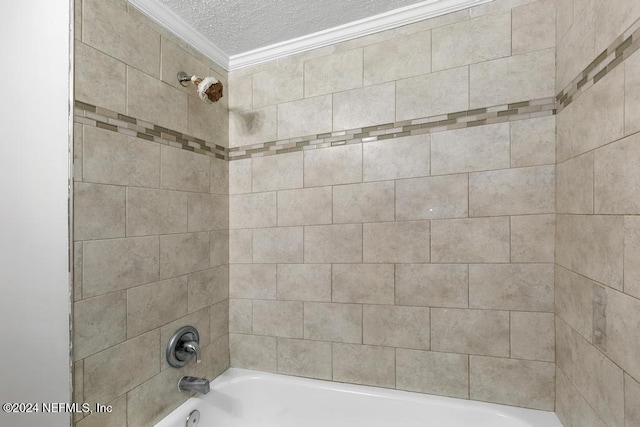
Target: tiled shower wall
x=392 y=208
x=150 y=215
x=598 y=203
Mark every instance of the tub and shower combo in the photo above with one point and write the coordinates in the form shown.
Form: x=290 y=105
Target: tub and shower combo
x=244 y=398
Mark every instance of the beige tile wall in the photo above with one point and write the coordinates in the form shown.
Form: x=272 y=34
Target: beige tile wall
x=470 y=59
x=597 y=223
x=150 y=221
x=421 y=263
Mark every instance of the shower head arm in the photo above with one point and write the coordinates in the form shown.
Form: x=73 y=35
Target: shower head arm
x=184 y=78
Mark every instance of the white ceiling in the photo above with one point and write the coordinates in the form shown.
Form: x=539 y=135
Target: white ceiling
x=238 y=26
x=239 y=33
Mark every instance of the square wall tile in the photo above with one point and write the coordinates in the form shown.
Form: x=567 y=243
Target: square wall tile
x=362 y=283
x=444 y=374
x=396 y=242
x=396 y=326
x=364 y=364
x=433 y=285
x=405 y=157
x=483 y=332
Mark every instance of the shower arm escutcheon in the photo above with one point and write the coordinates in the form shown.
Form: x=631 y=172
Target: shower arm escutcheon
x=184 y=79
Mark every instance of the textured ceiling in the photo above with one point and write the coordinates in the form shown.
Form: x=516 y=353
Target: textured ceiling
x=238 y=26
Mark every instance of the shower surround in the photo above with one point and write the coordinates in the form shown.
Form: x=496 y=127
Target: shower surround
x=150 y=215
x=392 y=211
x=392 y=204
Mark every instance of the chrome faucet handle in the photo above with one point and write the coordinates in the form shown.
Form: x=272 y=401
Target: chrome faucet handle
x=193 y=348
x=183 y=346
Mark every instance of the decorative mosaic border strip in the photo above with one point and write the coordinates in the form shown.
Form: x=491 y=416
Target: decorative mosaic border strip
x=621 y=48
x=459 y=120
x=103 y=118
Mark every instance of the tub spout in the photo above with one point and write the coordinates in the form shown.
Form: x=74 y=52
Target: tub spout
x=199 y=385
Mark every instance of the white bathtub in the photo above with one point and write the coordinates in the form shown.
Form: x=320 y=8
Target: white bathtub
x=243 y=398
